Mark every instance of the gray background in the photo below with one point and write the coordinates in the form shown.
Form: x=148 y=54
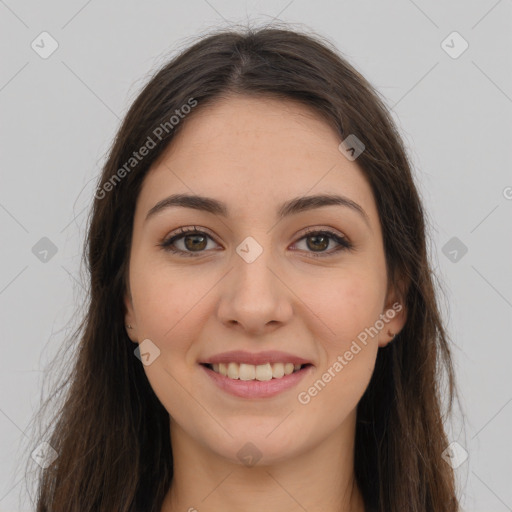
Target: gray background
x=59 y=115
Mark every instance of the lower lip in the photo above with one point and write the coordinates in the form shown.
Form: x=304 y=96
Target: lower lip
x=257 y=388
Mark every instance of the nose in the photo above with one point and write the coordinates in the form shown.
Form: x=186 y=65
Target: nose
x=254 y=297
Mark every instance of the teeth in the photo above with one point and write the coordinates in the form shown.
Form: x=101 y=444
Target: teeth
x=233 y=371
x=260 y=372
x=245 y=371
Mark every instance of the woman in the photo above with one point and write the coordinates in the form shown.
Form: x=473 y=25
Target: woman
x=263 y=331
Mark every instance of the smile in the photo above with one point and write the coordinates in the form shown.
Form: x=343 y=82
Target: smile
x=261 y=372
x=256 y=381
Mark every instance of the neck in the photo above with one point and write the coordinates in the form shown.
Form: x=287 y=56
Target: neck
x=318 y=480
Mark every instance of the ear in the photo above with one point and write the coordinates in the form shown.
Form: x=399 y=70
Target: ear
x=394 y=314
x=129 y=317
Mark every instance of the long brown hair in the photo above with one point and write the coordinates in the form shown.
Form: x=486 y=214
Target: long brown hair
x=111 y=433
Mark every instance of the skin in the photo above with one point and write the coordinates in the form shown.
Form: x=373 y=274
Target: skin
x=254 y=154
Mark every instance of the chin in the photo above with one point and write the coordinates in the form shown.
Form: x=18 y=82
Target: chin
x=266 y=445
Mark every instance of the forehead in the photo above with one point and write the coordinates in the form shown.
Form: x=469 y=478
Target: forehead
x=251 y=152
x=265 y=126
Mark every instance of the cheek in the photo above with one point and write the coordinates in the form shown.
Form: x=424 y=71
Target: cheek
x=168 y=308
x=167 y=304
x=345 y=310
x=342 y=306
x=348 y=357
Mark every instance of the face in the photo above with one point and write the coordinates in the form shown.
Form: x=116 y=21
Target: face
x=308 y=280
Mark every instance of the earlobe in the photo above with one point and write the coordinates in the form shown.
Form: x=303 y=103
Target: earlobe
x=394 y=316
x=129 y=318
x=132 y=334
x=385 y=340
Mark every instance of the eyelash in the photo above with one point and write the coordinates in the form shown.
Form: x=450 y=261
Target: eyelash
x=166 y=244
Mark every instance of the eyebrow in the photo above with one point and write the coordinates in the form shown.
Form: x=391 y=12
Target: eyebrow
x=291 y=207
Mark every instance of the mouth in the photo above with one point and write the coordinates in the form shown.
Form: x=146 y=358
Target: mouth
x=250 y=372
x=255 y=381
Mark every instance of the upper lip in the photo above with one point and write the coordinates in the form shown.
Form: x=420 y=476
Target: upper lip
x=241 y=356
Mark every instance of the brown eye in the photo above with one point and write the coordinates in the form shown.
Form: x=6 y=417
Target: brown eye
x=187 y=242
x=195 y=242
x=318 y=242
